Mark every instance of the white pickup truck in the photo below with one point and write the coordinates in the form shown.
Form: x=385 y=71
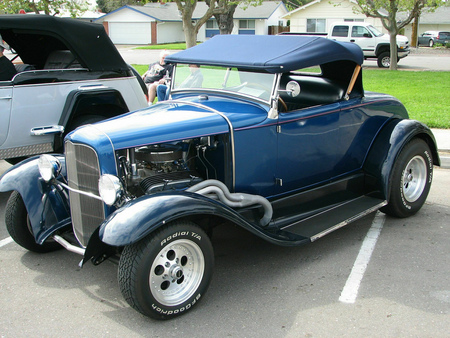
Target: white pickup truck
x=374 y=44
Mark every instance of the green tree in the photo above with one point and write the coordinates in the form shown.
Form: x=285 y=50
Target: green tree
x=49 y=7
x=224 y=12
x=107 y=6
x=190 y=27
x=387 y=10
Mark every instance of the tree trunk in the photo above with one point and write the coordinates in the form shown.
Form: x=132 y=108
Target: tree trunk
x=415 y=28
x=394 y=52
x=191 y=36
x=225 y=19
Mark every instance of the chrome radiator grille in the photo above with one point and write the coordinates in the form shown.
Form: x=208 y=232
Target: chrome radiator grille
x=83 y=172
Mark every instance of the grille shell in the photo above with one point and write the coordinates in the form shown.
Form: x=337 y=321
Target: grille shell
x=83 y=173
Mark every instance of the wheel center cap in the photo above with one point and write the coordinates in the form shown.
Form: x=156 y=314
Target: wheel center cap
x=176 y=272
x=409 y=177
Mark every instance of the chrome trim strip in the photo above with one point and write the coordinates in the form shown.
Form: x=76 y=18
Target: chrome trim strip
x=350 y=220
x=201 y=106
x=88 y=194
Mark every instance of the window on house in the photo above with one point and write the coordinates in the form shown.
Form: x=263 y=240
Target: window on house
x=316 y=26
x=246 y=24
x=247 y=27
x=212 y=24
x=354 y=20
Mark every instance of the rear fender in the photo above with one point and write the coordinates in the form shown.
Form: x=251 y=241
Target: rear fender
x=47 y=206
x=388 y=145
x=144 y=215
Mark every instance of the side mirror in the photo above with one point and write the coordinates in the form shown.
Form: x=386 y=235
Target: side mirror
x=292 y=89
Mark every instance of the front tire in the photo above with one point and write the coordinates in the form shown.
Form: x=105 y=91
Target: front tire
x=410 y=180
x=384 y=60
x=19 y=227
x=166 y=273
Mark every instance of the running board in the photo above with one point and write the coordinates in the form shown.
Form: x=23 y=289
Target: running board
x=321 y=224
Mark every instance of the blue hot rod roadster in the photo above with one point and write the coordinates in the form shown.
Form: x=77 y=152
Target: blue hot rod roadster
x=276 y=135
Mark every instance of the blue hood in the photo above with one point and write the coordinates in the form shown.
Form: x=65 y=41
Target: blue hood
x=169 y=121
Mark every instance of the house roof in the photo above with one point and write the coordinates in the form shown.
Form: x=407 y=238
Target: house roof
x=440 y=16
x=169 y=11
x=286 y=52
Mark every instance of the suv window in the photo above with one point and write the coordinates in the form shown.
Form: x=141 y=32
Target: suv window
x=340 y=31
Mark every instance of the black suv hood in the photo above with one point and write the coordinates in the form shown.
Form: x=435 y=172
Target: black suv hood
x=34 y=37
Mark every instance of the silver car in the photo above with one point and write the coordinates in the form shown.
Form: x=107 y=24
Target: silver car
x=68 y=74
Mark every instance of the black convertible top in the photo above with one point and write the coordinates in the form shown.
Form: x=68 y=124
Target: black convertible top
x=34 y=37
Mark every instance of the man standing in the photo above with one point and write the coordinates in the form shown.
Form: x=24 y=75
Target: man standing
x=7 y=70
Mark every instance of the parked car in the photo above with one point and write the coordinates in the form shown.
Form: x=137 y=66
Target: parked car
x=69 y=74
x=429 y=38
x=260 y=143
x=375 y=44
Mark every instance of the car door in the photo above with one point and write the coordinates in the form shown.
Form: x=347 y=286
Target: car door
x=363 y=38
x=308 y=146
x=5 y=108
x=322 y=143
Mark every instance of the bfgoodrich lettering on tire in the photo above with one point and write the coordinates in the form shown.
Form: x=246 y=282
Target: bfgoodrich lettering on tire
x=168 y=272
x=410 y=179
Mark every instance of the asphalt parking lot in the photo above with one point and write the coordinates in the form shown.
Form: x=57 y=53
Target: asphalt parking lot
x=258 y=289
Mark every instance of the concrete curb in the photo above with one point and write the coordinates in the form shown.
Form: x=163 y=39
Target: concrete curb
x=445 y=160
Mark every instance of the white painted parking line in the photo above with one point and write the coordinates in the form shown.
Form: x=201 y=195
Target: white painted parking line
x=5 y=241
x=350 y=291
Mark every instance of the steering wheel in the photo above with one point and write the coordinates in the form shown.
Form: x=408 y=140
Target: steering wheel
x=283 y=104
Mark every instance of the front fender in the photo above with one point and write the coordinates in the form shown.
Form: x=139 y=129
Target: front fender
x=144 y=215
x=46 y=205
x=387 y=147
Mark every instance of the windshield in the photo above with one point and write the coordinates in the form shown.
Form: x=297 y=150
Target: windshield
x=258 y=85
x=374 y=31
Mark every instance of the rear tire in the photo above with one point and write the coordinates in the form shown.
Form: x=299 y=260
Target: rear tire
x=166 y=273
x=410 y=180
x=431 y=43
x=19 y=227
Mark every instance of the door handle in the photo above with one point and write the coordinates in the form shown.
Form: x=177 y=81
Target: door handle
x=39 y=131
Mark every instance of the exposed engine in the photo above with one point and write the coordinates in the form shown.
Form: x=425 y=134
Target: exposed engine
x=167 y=166
x=184 y=165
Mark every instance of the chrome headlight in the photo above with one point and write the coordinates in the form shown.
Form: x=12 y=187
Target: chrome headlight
x=49 y=167
x=110 y=188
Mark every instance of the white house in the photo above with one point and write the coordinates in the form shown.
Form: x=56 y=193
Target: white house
x=317 y=16
x=157 y=23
